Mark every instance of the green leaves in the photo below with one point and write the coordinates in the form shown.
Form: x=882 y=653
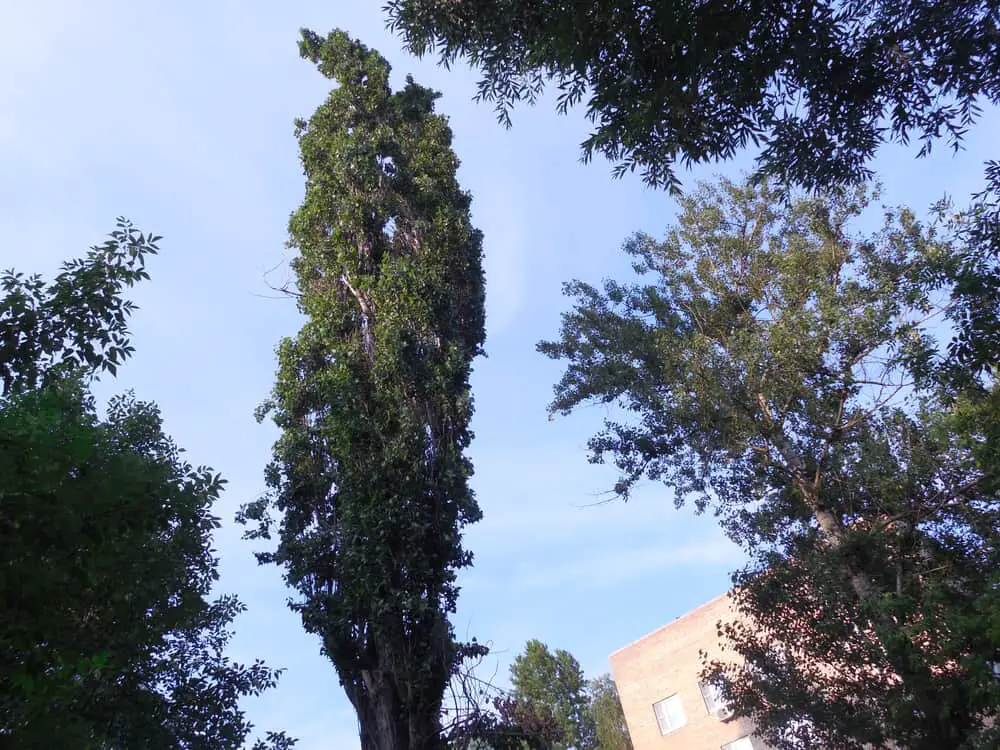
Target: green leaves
x=553 y=684
x=105 y=553
x=682 y=83
x=79 y=321
x=549 y=687
x=610 y=728
x=771 y=366
x=369 y=484
x=106 y=565
x=757 y=319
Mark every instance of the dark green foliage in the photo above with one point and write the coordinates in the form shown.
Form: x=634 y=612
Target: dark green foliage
x=610 y=728
x=553 y=684
x=912 y=663
x=372 y=396
x=108 y=638
x=976 y=277
x=788 y=375
x=550 y=688
x=819 y=85
x=48 y=330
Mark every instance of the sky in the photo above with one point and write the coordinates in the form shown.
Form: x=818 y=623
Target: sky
x=179 y=116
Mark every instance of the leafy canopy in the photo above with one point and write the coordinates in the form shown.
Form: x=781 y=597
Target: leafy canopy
x=77 y=321
x=610 y=728
x=774 y=367
x=553 y=683
x=372 y=396
x=818 y=85
x=109 y=637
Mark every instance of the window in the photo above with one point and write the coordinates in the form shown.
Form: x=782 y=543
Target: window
x=799 y=731
x=743 y=743
x=670 y=714
x=713 y=697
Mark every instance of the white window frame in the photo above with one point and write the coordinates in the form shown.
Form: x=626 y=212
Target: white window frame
x=742 y=743
x=712 y=696
x=669 y=714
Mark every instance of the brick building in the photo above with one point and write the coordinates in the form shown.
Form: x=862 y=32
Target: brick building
x=665 y=706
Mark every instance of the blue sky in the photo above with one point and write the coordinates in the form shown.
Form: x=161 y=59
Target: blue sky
x=179 y=116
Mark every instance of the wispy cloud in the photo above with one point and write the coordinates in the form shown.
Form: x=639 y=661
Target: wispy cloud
x=618 y=567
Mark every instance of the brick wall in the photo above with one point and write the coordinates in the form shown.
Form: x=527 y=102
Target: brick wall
x=665 y=663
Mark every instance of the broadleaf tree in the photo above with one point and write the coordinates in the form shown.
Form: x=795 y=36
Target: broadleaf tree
x=777 y=368
x=819 y=86
x=552 y=683
x=975 y=273
x=372 y=396
x=610 y=727
x=108 y=636
x=79 y=320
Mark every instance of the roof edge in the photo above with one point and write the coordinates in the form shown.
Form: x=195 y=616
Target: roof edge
x=686 y=615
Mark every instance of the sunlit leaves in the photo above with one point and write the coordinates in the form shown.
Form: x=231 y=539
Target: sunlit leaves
x=773 y=367
x=369 y=484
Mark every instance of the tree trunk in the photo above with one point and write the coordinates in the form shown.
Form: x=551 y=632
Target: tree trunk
x=379 y=712
x=384 y=724
x=833 y=531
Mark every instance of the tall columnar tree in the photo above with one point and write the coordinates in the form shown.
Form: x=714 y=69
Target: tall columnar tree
x=552 y=683
x=372 y=396
x=820 y=85
x=777 y=369
x=108 y=637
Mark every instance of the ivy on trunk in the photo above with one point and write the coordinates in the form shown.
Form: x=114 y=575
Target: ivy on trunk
x=372 y=396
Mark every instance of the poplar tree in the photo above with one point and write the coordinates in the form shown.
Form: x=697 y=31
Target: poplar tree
x=610 y=727
x=372 y=396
